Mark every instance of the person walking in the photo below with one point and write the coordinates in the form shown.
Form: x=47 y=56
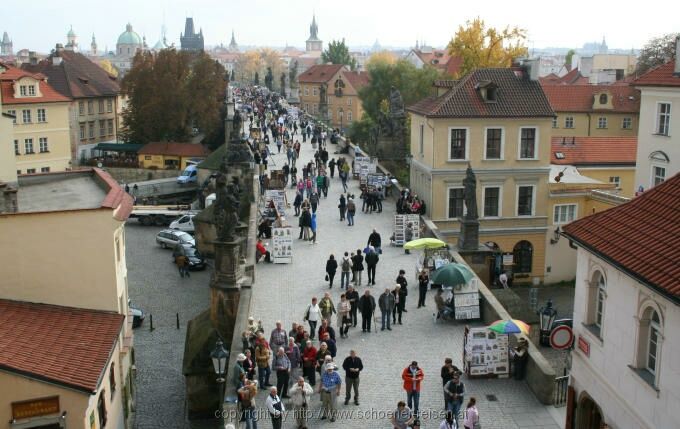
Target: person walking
x=455 y=392
x=399 y=299
x=309 y=362
x=312 y=316
x=246 y=397
x=375 y=240
x=262 y=355
x=354 y=270
x=327 y=308
x=353 y=297
x=329 y=389
x=278 y=337
x=342 y=206
x=324 y=329
x=331 y=166
x=447 y=373
x=351 y=210
x=367 y=308
x=345 y=266
x=282 y=366
x=345 y=175
x=300 y=394
x=413 y=377
x=402 y=417
x=423 y=282
x=372 y=259
x=386 y=303
x=331 y=268
x=314 y=201
x=275 y=407
x=358 y=266
x=344 y=318
x=401 y=281
x=182 y=265
x=294 y=356
x=313 y=228
x=353 y=367
x=471 y=415
x=297 y=203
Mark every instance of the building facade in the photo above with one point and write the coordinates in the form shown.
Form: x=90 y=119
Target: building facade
x=625 y=372
x=190 y=40
x=40 y=134
x=170 y=155
x=498 y=122
x=658 y=155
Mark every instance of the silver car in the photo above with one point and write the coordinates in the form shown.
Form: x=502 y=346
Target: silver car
x=169 y=238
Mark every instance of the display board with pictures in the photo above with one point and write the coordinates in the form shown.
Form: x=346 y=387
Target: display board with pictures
x=486 y=353
x=282 y=245
x=466 y=300
x=375 y=180
x=278 y=196
x=401 y=223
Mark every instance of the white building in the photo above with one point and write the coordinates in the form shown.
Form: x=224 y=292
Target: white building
x=658 y=153
x=626 y=363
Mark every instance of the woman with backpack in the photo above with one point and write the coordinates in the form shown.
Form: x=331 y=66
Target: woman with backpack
x=351 y=210
x=346 y=267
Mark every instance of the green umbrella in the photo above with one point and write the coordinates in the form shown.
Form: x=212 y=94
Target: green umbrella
x=452 y=274
x=424 y=243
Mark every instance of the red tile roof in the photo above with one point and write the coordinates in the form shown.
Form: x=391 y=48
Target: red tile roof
x=639 y=237
x=357 y=79
x=7 y=79
x=659 y=76
x=63 y=345
x=319 y=73
x=453 y=66
x=116 y=198
x=174 y=149
x=440 y=59
x=581 y=151
x=517 y=97
x=580 y=98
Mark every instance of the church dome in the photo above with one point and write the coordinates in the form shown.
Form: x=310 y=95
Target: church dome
x=129 y=37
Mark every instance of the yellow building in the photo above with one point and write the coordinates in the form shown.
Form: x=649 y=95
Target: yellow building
x=342 y=89
x=8 y=172
x=498 y=121
x=594 y=110
x=41 y=126
x=170 y=155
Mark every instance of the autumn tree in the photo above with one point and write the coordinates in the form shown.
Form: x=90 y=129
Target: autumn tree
x=338 y=53
x=568 y=57
x=247 y=65
x=657 y=51
x=480 y=46
x=108 y=67
x=382 y=57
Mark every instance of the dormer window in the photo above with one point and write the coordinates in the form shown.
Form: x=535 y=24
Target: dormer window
x=603 y=98
x=491 y=94
x=488 y=91
x=27 y=90
x=339 y=87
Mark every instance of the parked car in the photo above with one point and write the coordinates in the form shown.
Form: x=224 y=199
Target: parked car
x=184 y=223
x=196 y=260
x=189 y=175
x=137 y=315
x=171 y=237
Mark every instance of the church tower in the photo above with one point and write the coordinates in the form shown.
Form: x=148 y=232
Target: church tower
x=314 y=44
x=93 y=47
x=71 y=40
x=6 y=45
x=233 y=46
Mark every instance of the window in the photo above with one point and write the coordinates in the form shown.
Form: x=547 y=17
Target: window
x=82 y=131
x=91 y=127
x=663 y=118
x=525 y=200
x=306 y=90
x=527 y=146
x=43 y=144
x=492 y=197
x=349 y=101
x=28 y=146
x=42 y=115
x=314 y=91
x=554 y=122
x=599 y=302
x=101 y=409
x=494 y=143
x=627 y=123
x=456 y=203
x=110 y=127
x=31 y=90
x=569 y=122
x=109 y=105
x=653 y=343
x=522 y=257
x=90 y=107
x=421 y=139
x=81 y=108
x=101 y=106
x=22 y=91
x=458 y=143
x=615 y=180
x=30 y=171
x=45 y=169
x=112 y=379
x=602 y=122
x=349 y=116
x=102 y=128
x=18 y=172
x=603 y=98
x=26 y=116
x=13 y=113
x=658 y=175
x=564 y=213
x=16 y=147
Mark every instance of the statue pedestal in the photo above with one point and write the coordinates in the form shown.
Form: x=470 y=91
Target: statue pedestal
x=469 y=234
x=228 y=268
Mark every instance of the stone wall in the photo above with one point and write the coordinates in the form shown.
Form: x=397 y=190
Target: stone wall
x=132 y=175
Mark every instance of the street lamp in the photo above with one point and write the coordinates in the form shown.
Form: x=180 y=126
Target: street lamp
x=547 y=315
x=219 y=358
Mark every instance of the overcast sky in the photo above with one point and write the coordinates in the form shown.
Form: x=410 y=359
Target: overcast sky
x=39 y=24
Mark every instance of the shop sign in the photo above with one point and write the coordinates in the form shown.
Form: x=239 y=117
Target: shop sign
x=584 y=345
x=35 y=408
x=508 y=259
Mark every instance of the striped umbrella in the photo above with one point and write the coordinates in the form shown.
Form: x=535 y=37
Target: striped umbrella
x=510 y=326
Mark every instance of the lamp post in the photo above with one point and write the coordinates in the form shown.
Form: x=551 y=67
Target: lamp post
x=219 y=358
x=547 y=315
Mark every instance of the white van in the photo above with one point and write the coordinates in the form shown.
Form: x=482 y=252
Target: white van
x=184 y=223
x=189 y=175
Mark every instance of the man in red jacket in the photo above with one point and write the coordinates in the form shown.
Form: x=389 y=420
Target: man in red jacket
x=412 y=376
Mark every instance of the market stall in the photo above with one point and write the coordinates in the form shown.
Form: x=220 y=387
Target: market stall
x=459 y=280
x=486 y=350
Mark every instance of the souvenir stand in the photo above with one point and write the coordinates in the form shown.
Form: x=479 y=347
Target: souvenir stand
x=432 y=259
x=485 y=353
x=400 y=224
x=363 y=166
x=282 y=245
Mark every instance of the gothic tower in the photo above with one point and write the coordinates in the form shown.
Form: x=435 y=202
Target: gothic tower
x=314 y=44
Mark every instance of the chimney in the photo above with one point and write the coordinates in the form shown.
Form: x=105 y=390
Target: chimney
x=56 y=57
x=676 y=70
x=531 y=68
x=59 y=48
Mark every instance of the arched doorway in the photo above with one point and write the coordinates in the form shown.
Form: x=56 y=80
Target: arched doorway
x=523 y=255
x=589 y=414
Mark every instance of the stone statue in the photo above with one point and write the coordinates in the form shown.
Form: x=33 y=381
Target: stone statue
x=238 y=124
x=323 y=98
x=396 y=104
x=226 y=208
x=470 y=194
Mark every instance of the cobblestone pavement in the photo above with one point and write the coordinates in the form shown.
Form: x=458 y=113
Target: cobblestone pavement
x=155 y=286
x=282 y=292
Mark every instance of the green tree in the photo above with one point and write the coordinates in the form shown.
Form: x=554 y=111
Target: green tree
x=480 y=46
x=256 y=81
x=657 y=51
x=338 y=53
x=568 y=57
